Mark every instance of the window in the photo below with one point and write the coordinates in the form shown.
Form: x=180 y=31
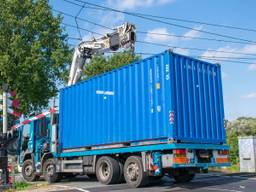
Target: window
x=42 y=127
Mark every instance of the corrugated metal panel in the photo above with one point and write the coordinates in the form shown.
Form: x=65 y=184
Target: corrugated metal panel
x=135 y=103
x=127 y=104
x=198 y=101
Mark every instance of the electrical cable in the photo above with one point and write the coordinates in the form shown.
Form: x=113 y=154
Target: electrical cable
x=164 y=22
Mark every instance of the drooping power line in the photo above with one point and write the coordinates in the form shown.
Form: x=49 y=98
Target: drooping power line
x=229 y=60
x=170 y=46
x=152 y=33
x=194 y=48
x=225 y=59
x=90 y=31
x=142 y=16
x=184 y=20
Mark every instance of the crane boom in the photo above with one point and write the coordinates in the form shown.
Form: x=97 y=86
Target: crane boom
x=122 y=37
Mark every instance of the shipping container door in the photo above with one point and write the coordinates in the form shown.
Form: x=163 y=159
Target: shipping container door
x=198 y=102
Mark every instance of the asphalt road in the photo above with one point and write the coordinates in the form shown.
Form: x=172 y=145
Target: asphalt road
x=202 y=183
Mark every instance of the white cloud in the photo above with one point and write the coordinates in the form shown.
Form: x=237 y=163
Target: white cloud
x=249 y=96
x=133 y=4
x=226 y=52
x=193 y=32
x=162 y=35
x=251 y=49
x=181 y=51
x=153 y=35
x=221 y=52
x=252 y=67
x=110 y=19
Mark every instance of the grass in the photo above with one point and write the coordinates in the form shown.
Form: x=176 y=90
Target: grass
x=234 y=168
x=22 y=185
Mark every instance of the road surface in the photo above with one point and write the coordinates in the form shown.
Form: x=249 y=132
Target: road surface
x=202 y=183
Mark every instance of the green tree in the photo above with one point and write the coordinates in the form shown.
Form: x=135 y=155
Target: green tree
x=33 y=51
x=232 y=141
x=100 y=64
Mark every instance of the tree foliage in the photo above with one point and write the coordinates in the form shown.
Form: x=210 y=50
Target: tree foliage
x=100 y=64
x=33 y=51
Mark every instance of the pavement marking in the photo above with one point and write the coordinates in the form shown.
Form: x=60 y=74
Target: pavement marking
x=218 y=189
x=80 y=189
x=241 y=177
x=70 y=187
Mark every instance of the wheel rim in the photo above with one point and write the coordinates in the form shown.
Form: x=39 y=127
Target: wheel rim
x=28 y=170
x=50 y=170
x=104 y=171
x=133 y=172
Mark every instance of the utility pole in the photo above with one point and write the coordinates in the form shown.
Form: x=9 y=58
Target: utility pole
x=3 y=141
x=5 y=118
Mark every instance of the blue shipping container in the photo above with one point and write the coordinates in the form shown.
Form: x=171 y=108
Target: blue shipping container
x=166 y=96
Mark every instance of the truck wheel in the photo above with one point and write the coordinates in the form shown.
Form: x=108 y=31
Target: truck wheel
x=134 y=173
x=121 y=174
x=28 y=171
x=49 y=170
x=107 y=170
x=183 y=176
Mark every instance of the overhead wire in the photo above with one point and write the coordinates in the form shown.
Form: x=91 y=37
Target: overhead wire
x=214 y=58
x=190 y=37
x=90 y=31
x=185 y=48
x=77 y=15
x=181 y=20
x=194 y=48
x=152 y=33
x=161 y=21
x=224 y=59
x=82 y=19
x=229 y=60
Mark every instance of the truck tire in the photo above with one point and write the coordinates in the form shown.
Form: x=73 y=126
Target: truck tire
x=121 y=174
x=183 y=176
x=49 y=171
x=107 y=170
x=134 y=173
x=28 y=171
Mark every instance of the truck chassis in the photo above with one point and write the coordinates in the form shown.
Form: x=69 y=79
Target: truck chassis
x=137 y=165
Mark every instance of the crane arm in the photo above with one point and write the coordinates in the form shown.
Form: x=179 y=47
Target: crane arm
x=122 y=37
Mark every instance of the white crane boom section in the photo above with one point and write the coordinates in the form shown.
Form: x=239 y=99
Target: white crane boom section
x=122 y=37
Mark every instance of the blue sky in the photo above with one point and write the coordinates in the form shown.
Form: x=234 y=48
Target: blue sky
x=239 y=80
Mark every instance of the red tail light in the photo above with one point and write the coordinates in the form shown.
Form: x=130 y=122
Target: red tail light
x=180 y=151
x=223 y=152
